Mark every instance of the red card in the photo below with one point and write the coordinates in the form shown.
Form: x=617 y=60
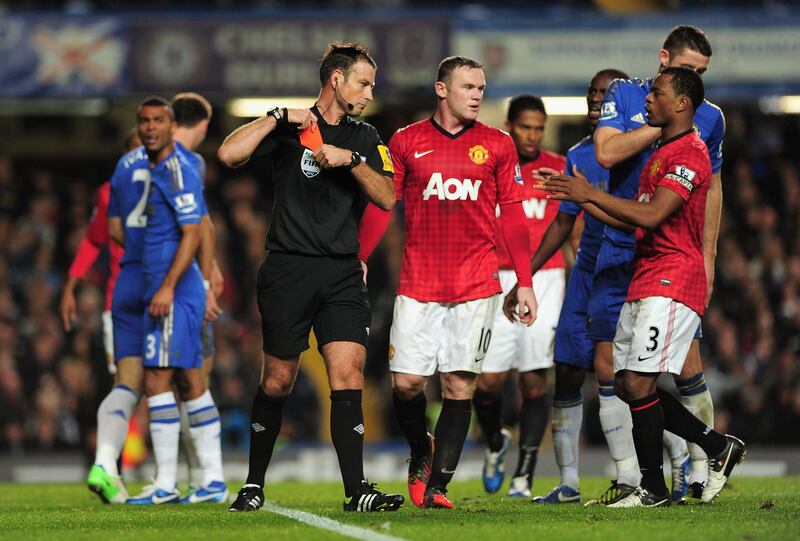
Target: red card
x=311 y=137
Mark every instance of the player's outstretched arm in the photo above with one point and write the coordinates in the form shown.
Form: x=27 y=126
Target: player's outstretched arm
x=184 y=256
x=644 y=214
x=612 y=146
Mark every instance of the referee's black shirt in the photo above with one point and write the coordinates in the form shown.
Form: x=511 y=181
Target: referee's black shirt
x=316 y=210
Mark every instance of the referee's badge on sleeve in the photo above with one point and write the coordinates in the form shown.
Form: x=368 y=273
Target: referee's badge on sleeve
x=388 y=166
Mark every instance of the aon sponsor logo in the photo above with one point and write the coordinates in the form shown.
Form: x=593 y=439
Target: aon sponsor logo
x=451 y=189
x=534 y=208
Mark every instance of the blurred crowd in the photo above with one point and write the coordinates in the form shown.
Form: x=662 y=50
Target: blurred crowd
x=51 y=381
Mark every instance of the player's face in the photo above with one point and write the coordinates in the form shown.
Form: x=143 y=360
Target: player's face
x=154 y=125
x=660 y=102
x=357 y=87
x=464 y=94
x=527 y=131
x=687 y=58
x=594 y=97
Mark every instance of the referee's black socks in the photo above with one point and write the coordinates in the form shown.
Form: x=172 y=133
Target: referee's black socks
x=451 y=431
x=347 y=433
x=265 y=425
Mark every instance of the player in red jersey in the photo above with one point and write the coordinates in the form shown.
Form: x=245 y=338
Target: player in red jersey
x=668 y=291
x=451 y=172
x=527 y=349
x=95 y=238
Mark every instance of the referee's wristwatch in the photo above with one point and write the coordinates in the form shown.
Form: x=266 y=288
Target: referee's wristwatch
x=279 y=114
x=354 y=160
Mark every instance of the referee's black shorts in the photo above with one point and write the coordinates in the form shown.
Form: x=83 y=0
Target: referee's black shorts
x=298 y=292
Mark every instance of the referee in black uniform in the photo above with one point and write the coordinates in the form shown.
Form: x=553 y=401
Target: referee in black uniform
x=312 y=276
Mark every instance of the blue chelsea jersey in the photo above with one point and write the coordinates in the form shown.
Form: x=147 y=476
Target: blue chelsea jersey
x=624 y=109
x=199 y=164
x=582 y=156
x=130 y=186
x=175 y=199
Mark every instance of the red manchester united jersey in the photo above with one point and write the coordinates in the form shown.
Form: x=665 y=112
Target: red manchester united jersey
x=669 y=258
x=450 y=185
x=96 y=237
x=539 y=210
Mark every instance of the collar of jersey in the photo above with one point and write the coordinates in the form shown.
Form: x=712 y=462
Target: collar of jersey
x=163 y=162
x=447 y=133
x=675 y=138
x=322 y=122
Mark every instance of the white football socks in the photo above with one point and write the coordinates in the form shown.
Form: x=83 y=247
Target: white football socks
x=189 y=449
x=701 y=407
x=164 y=432
x=113 y=417
x=676 y=448
x=205 y=427
x=566 y=428
x=615 y=418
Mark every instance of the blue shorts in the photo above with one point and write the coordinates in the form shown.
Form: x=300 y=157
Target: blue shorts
x=572 y=346
x=612 y=276
x=127 y=307
x=175 y=341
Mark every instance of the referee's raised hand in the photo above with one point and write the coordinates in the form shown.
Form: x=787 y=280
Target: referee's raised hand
x=303 y=118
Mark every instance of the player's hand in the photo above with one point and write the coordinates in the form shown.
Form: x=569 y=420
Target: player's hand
x=543 y=173
x=162 y=300
x=572 y=188
x=526 y=305
x=303 y=118
x=213 y=310
x=363 y=269
x=510 y=304
x=68 y=308
x=329 y=156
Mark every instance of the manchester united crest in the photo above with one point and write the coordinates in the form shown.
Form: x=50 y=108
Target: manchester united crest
x=478 y=154
x=655 y=167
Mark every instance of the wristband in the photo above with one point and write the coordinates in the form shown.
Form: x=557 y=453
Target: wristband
x=354 y=160
x=207 y=284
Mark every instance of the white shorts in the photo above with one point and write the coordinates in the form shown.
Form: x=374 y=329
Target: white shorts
x=108 y=341
x=449 y=336
x=515 y=345
x=654 y=335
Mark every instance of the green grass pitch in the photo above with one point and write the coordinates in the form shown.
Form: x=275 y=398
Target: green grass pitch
x=750 y=509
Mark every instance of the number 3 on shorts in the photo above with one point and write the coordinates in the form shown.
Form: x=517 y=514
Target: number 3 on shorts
x=150 y=350
x=653 y=342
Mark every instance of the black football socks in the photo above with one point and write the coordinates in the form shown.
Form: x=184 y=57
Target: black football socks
x=451 y=431
x=347 y=433
x=532 y=423
x=648 y=433
x=681 y=422
x=488 y=410
x=265 y=425
x=413 y=423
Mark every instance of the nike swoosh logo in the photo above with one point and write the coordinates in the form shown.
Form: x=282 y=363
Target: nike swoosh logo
x=421 y=154
x=480 y=360
x=645 y=358
x=448 y=472
x=157 y=499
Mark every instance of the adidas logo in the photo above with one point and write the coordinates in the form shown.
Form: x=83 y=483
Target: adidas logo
x=638 y=117
x=359 y=429
x=257 y=427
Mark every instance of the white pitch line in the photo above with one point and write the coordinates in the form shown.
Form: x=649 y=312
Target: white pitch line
x=324 y=523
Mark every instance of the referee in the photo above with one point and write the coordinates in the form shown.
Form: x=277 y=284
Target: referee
x=312 y=276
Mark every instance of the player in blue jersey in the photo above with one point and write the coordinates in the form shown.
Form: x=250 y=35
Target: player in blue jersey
x=574 y=352
x=192 y=115
x=623 y=143
x=175 y=298
x=115 y=411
